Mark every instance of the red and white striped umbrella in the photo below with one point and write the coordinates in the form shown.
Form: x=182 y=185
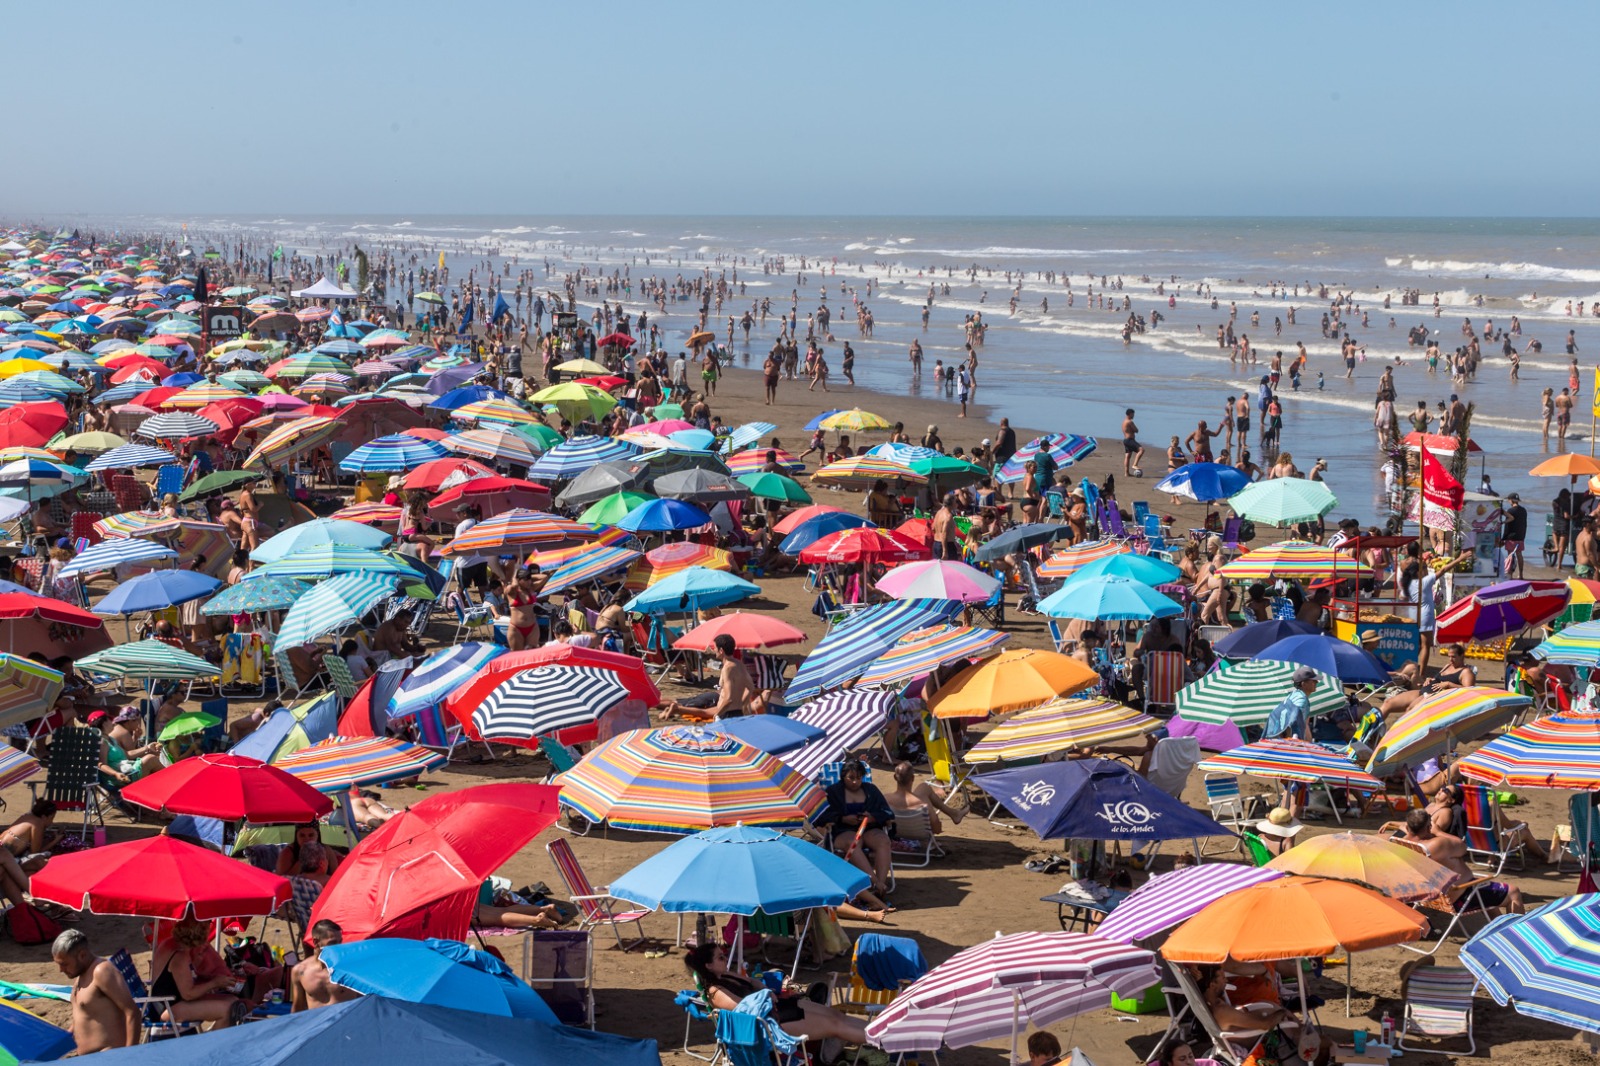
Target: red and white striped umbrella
x=1007 y=984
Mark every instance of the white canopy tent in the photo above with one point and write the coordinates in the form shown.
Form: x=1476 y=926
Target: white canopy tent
x=326 y=289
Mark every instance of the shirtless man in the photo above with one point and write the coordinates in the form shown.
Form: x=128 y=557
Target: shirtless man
x=1132 y=450
x=309 y=984
x=734 y=687
x=103 y=1012
x=1563 y=404
x=1451 y=853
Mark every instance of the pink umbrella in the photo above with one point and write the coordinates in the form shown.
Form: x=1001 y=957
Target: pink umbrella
x=281 y=401
x=663 y=427
x=1224 y=737
x=938 y=579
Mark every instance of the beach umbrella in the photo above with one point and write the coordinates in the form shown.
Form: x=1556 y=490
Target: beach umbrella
x=863 y=545
x=1244 y=643
x=1094 y=799
x=700 y=486
x=1556 y=751
x=1350 y=663
x=293 y=437
x=1003 y=986
x=433 y=476
x=337 y=763
x=26 y=1037
x=847 y=718
x=804 y=534
x=38 y=479
x=747 y=434
x=27 y=690
x=1395 y=870
x=464 y=395
x=1501 y=610
x=492 y=494
x=1021 y=677
x=1438 y=722
x=1145 y=569
x=218 y=482
x=691 y=590
x=337 y=602
x=681 y=779
x=772 y=733
x=770 y=486
x=1246 y=693
x=518 y=528
x=329 y=559
x=94 y=441
x=159 y=877
x=187 y=724
x=1293 y=559
x=754 y=460
x=864 y=470
x=1064 y=449
x=855 y=420
x=545 y=700
x=1543 y=962
x=109 y=554
x=1293 y=918
x=629 y=668
x=1575 y=645
x=938 y=579
x=1021 y=538
x=316 y=534
x=493 y=411
x=570 y=458
x=203 y=394
x=609 y=510
x=391 y=454
x=1292 y=760
x=256 y=596
x=1108 y=599
x=149 y=660
x=748 y=630
x=577 y=403
x=31 y=424
x=443 y=973
x=129 y=456
x=230 y=787
x=659 y=516
x=419 y=874
x=605 y=479
x=922 y=651
x=155 y=591
x=588 y=563
x=1283 y=501
x=1170 y=898
x=1204 y=482
x=436 y=676
x=849 y=648
x=1069 y=561
x=1060 y=725
x=306 y=364
x=662 y=562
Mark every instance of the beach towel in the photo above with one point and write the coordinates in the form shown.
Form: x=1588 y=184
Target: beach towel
x=883 y=962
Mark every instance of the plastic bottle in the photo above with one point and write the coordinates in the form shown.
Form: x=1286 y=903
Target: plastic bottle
x=1388 y=1030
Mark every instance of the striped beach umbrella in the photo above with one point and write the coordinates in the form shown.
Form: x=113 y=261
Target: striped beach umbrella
x=589 y=563
x=392 y=454
x=1557 y=751
x=147 y=659
x=1003 y=986
x=660 y=563
x=1060 y=725
x=494 y=443
x=493 y=411
x=202 y=393
x=370 y=514
x=1293 y=559
x=534 y=703
x=128 y=523
x=109 y=554
x=1246 y=693
x=1283 y=501
x=317 y=533
x=1064 y=448
x=922 y=651
x=753 y=460
x=518 y=528
x=247 y=380
x=337 y=763
x=257 y=595
x=1543 y=963
x=1165 y=901
x=28 y=690
x=864 y=470
x=851 y=647
x=303 y=366
x=1291 y=760
x=326 y=560
x=572 y=457
x=682 y=779
x=1576 y=645
x=175 y=426
x=18 y=765
x=1069 y=561
x=847 y=719
x=336 y=602
x=129 y=456
x=440 y=674
x=324 y=388
x=1437 y=723
x=291 y=438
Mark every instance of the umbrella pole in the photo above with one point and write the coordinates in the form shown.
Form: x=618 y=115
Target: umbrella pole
x=1016 y=1014
x=800 y=945
x=1349 y=978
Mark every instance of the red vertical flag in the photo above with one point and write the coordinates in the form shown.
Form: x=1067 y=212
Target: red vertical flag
x=1438 y=487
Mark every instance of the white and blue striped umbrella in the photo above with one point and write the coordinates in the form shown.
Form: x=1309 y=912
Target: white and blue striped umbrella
x=176 y=425
x=439 y=675
x=111 y=553
x=340 y=347
x=336 y=602
x=124 y=392
x=13 y=392
x=40 y=473
x=572 y=457
x=746 y=435
x=391 y=455
x=50 y=381
x=326 y=560
x=129 y=456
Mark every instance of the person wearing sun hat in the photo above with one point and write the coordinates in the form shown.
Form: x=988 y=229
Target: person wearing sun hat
x=1278 y=830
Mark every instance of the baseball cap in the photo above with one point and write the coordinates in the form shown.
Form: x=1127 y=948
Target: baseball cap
x=95 y=717
x=1513 y=496
x=1303 y=674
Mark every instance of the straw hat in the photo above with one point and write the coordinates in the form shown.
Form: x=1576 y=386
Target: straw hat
x=1279 y=823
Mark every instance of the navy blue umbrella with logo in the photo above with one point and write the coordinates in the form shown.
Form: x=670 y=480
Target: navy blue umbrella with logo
x=1094 y=799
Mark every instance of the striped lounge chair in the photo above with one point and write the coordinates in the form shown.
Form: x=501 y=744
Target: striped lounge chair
x=594 y=906
x=1438 y=1006
x=1486 y=842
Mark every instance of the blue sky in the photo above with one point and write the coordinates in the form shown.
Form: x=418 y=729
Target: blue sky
x=820 y=108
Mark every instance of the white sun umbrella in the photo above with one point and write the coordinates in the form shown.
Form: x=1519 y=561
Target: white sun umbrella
x=129 y=456
x=109 y=554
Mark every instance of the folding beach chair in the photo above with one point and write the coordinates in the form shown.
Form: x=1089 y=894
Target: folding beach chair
x=152 y=1009
x=83 y=526
x=914 y=843
x=1466 y=898
x=1163 y=677
x=1438 y=1005
x=72 y=774
x=1578 y=840
x=559 y=965
x=594 y=905
x=857 y=995
x=1228 y=1048
x=696 y=1008
x=1484 y=837
x=169 y=479
x=562 y=759
x=749 y=1039
x=338 y=671
x=1225 y=800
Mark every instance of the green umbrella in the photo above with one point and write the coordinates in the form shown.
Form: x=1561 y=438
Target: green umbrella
x=543 y=436
x=147 y=659
x=430 y=298
x=186 y=723
x=609 y=510
x=220 y=481
x=666 y=410
x=948 y=469
x=1283 y=501
x=1246 y=693
x=772 y=486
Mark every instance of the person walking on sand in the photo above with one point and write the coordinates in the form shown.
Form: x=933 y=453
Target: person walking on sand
x=1132 y=450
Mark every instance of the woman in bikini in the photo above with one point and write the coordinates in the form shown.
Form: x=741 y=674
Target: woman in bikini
x=522 y=598
x=194 y=998
x=25 y=848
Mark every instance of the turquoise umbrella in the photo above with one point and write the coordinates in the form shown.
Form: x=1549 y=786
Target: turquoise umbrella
x=253 y=597
x=325 y=560
x=336 y=602
x=320 y=533
x=1108 y=599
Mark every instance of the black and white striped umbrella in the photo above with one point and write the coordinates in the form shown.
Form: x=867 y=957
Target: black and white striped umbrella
x=848 y=717
x=546 y=699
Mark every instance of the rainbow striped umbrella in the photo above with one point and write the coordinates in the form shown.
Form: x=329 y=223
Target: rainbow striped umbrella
x=1558 y=751
x=669 y=559
x=1435 y=725
x=1060 y=725
x=591 y=561
x=128 y=523
x=1064 y=448
x=1069 y=561
x=922 y=651
x=303 y=366
x=339 y=762
x=1246 y=693
x=369 y=514
x=754 y=460
x=865 y=469
x=517 y=528
x=1291 y=760
x=201 y=393
x=27 y=691
x=556 y=558
x=682 y=779
x=495 y=443
x=18 y=765
x=1293 y=558
x=493 y=411
x=391 y=454
x=1577 y=645
x=292 y=438
x=324 y=388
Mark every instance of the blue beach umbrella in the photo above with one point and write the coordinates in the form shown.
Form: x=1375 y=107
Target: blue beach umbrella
x=1108 y=599
x=320 y=532
x=336 y=602
x=1146 y=569
x=128 y=456
x=1245 y=643
x=156 y=591
x=850 y=647
x=392 y=454
x=815 y=528
x=439 y=675
x=816 y=423
x=740 y=869
x=326 y=560
x=691 y=590
x=253 y=597
x=771 y=733
x=465 y=395
x=1094 y=799
x=746 y=435
x=1203 y=482
x=111 y=553
x=1350 y=663
x=26 y=1037
x=443 y=973
x=572 y=457
x=1544 y=962
x=663 y=515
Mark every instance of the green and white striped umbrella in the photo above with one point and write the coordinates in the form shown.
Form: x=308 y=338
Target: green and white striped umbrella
x=147 y=659
x=336 y=602
x=326 y=560
x=1283 y=501
x=1246 y=693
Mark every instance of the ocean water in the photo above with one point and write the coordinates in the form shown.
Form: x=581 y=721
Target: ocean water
x=1067 y=368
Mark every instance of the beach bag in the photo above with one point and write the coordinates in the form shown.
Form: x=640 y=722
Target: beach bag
x=1247 y=531
x=830 y=938
x=30 y=925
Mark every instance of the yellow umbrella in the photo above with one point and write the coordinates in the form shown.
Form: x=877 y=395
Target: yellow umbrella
x=12 y=367
x=582 y=366
x=858 y=421
x=1022 y=677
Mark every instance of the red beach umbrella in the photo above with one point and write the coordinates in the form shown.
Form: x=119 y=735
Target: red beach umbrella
x=159 y=877
x=230 y=787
